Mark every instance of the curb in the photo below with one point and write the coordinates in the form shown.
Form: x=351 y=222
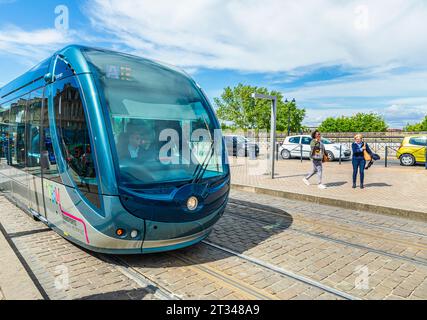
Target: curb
x=357 y=206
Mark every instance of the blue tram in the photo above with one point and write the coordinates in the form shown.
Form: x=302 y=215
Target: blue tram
x=116 y=153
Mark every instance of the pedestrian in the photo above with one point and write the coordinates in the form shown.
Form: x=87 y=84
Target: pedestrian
x=318 y=156
x=362 y=153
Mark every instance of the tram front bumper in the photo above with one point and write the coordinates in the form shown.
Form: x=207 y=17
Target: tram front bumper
x=151 y=246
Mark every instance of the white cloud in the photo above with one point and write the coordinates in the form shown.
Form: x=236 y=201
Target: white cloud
x=271 y=35
x=403 y=113
x=410 y=84
x=400 y=98
x=396 y=115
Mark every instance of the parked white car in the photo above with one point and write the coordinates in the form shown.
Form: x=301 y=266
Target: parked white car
x=291 y=148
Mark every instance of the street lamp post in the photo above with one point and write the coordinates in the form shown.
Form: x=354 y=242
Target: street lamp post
x=289 y=115
x=273 y=99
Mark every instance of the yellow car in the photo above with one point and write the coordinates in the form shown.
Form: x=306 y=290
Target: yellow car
x=412 y=150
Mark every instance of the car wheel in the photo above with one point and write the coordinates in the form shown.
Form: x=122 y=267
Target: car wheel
x=330 y=155
x=407 y=160
x=285 y=154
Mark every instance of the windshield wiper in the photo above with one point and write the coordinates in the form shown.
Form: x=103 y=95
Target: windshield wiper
x=201 y=167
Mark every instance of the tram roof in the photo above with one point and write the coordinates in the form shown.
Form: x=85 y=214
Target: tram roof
x=73 y=54
x=33 y=75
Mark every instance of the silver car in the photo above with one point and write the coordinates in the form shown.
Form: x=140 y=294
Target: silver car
x=294 y=145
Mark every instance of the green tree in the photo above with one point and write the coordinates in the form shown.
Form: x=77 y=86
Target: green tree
x=360 y=122
x=236 y=106
x=422 y=126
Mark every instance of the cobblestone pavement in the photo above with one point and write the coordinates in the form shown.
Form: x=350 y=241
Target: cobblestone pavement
x=263 y=248
x=395 y=187
x=63 y=270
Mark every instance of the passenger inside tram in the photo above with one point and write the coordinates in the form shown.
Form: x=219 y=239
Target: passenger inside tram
x=174 y=127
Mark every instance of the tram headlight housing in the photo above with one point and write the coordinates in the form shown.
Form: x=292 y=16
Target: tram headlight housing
x=120 y=232
x=134 y=234
x=192 y=203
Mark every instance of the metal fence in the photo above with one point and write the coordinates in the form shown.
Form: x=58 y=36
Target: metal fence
x=385 y=144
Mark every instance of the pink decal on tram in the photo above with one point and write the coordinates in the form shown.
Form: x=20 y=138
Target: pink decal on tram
x=77 y=219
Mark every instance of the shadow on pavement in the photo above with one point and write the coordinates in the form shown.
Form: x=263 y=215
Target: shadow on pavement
x=291 y=176
x=336 y=184
x=377 y=184
x=244 y=226
x=134 y=294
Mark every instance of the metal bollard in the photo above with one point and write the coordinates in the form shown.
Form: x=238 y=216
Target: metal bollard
x=301 y=151
x=340 y=153
x=425 y=164
x=252 y=151
x=386 y=156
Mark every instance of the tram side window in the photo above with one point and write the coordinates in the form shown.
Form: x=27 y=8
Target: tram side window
x=73 y=136
x=47 y=155
x=62 y=70
x=33 y=123
x=17 y=132
x=4 y=130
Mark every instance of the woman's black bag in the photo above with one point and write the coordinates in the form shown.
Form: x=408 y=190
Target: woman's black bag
x=376 y=157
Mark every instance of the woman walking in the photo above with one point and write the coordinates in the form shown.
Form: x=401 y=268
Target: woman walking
x=317 y=154
x=361 y=154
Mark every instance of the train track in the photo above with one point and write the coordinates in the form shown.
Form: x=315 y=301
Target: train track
x=206 y=270
x=420 y=246
x=248 y=291
x=345 y=220
x=279 y=225
x=283 y=272
x=372 y=225
x=131 y=272
x=349 y=221
x=163 y=293
x=245 y=290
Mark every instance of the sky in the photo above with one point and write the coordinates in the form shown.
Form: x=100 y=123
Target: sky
x=334 y=57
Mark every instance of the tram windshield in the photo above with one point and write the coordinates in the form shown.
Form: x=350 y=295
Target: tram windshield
x=163 y=129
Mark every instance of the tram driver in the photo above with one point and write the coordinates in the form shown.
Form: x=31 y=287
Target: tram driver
x=135 y=144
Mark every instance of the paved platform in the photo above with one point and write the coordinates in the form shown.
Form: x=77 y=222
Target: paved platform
x=15 y=282
x=36 y=263
x=395 y=190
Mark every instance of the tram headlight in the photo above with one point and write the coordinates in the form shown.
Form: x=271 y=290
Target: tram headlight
x=192 y=203
x=134 y=233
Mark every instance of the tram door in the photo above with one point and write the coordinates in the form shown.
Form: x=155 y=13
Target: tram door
x=5 y=169
x=17 y=149
x=34 y=159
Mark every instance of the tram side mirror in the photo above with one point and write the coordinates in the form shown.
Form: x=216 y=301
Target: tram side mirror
x=49 y=78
